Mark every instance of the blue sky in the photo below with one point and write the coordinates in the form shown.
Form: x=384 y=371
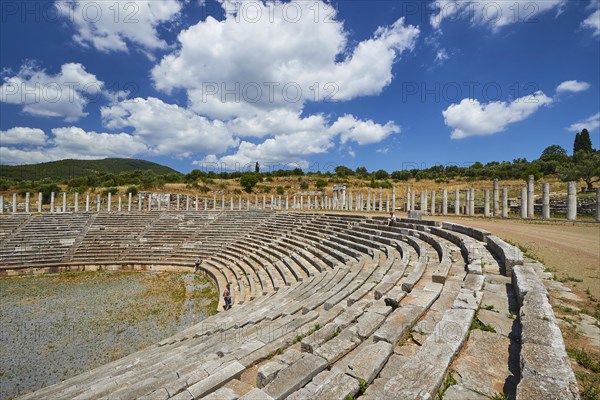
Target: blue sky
x=223 y=84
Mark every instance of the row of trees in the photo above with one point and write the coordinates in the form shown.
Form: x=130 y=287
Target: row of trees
x=554 y=161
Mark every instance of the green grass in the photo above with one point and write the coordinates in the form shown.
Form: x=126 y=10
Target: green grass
x=477 y=324
x=584 y=359
x=450 y=381
x=569 y=278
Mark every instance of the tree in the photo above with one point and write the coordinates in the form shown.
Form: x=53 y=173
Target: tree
x=257 y=168
x=362 y=172
x=303 y=185
x=321 y=183
x=553 y=152
x=381 y=174
x=585 y=166
x=133 y=190
x=582 y=142
x=248 y=180
x=342 y=171
x=552 y=157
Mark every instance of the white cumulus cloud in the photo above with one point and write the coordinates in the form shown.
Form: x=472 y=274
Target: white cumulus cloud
x=299 y=139
x=263 y=60
x=572 y=86
x=471 y=118
x=109 y=25
x=168 y=129
x=69 y=142
x=589 y=123
x=64 y=94
x=23 y=136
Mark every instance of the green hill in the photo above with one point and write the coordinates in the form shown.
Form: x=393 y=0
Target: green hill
x=68 y=169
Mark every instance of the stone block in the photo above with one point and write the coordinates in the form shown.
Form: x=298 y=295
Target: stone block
x=295 y=376
x=369 y=361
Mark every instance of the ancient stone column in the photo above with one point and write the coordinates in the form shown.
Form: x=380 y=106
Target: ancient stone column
x=206 y=203
x=287 y=203
x=1 y=204
x=40 y=200
x=445 y=202
x=468 y=202
x=393 y=198
x=109 y=202
x=597 y=205
x=76 y=205
x=308 y=202
x=64 y=202
x=98 y=203
x=150 y=202
x=546 y=201
x=495 y=196
x=139 y=203
x=530 y=196
x=187 y=202
x=176 y=202
x=457 y=202
x=504 y=202
x=248 y=203
x=129 y=197
x=572 y=201
x=27 y=202
x=196 y=205
x=433 y=202
x=301 y=202
x=52 y=202
x=158 y=203
x=215 y=201
x=120 y=204
x=240 y=202
x=413 y=197
x=424 y=201
x=369 y=199
x=14 y=203
x=380 y=199
x=408 y=194
x=524 y=202
x=472 y=202
x=256 y=201
x=486 y=202
x=231 y=203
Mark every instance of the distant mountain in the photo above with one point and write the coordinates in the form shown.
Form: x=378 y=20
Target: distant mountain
x=67 y=169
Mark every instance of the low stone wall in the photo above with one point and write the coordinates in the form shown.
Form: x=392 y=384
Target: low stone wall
x=546 y=371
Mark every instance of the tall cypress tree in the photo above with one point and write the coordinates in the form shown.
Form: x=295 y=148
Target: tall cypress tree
x=582 y=142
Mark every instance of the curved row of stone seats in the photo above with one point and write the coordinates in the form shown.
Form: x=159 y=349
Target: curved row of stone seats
x=108 y=236
x=269 y=255
x=350 y=333
x=10 y=223
x=42 y=239
x=307 y=293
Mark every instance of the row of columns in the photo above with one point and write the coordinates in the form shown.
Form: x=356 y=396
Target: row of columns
x=339 y=201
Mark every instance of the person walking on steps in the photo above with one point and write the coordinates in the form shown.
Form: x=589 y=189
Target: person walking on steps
x=227 y=297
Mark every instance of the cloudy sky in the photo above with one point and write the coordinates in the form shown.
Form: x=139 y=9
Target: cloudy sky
x=223 y=84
